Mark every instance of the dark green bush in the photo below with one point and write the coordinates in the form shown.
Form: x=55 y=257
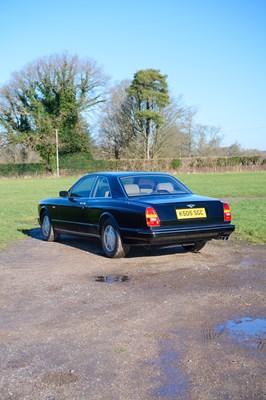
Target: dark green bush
x=238 y=160
x=75 y=161
x=21 y=169
x=250 y=160
x=176 y=163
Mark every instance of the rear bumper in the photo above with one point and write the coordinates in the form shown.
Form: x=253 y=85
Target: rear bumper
x=169 y=236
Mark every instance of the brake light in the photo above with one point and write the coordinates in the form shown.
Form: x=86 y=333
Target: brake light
x=227 y=213
x=152 y=218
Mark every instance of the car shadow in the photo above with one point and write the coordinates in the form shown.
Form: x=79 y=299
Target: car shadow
x=93 y=245
x=90 y=245
x=34 y=233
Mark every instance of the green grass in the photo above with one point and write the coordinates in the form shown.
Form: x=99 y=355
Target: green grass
x=19 y=198
x=18 y=203
x=250 y=221
x=249 y=212
x=244 y=184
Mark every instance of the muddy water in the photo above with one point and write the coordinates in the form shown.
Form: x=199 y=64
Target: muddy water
x=112 y=278
x=249 y=330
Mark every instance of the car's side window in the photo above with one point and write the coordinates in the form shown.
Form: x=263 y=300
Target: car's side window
x=102 y=188
x=83 y=187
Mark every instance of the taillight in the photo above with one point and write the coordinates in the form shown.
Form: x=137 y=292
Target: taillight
x=227 y=213
x=152 y=218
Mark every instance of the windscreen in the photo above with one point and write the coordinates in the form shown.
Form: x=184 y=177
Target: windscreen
x=151 y=185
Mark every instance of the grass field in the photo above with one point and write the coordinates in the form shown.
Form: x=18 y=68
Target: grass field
x=247 y=191
x=244 y=184
x=247 y=198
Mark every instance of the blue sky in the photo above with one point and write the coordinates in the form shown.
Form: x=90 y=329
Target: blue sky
x=213 y=51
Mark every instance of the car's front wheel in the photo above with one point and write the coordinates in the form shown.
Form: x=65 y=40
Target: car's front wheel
x=194 y=247
x=111 y=241
x=47 y=231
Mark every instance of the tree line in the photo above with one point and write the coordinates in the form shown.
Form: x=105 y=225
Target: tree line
x=131 y=119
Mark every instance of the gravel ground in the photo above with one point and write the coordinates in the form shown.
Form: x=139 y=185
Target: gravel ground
x=160 y=324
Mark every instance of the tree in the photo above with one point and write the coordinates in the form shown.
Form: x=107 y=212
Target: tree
x=207 y=140
x=149 y=95
x=175 y=136
x=115 y=124
x=188 y=132
x=54 y=92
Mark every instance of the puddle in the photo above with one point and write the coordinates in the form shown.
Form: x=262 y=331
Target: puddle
x=112 y=278
x=252 y=263
x=172 y=382
x=247 y=330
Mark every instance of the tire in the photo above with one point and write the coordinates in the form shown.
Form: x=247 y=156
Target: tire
x=194 y=247
x=111 y=241
x=47 y=231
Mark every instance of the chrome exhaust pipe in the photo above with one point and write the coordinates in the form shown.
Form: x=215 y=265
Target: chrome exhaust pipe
x=223 y=237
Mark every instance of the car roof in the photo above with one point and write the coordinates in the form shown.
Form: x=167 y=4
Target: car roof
x=128 y=173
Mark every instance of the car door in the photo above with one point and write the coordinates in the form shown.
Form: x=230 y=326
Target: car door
x=98 y=203
x=70 y=215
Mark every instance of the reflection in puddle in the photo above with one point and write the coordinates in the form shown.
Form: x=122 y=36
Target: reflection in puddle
x=111 y=278
x=172 y=382
x=252 y=263
x=250 y=330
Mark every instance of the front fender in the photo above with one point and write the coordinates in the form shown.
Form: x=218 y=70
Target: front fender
x=42 y=209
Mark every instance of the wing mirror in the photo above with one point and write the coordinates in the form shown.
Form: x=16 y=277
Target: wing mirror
x=63 y=193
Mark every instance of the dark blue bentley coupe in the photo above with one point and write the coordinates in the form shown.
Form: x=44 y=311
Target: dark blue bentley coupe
x=124 y=209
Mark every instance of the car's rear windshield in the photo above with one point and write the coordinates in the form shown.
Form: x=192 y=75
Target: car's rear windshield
x=151 y=185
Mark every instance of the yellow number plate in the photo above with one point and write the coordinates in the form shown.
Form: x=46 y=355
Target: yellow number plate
x=185 y=213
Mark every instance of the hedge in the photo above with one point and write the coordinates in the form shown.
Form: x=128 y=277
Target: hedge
x=21 y=169
x=82 y=163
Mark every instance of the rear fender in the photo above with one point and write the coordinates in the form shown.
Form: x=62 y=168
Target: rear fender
x=104 y=217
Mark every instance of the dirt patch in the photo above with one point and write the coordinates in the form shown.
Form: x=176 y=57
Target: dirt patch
x=159 y=324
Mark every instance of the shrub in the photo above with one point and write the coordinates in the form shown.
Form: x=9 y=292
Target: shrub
x=21 y=169
x=176 y=163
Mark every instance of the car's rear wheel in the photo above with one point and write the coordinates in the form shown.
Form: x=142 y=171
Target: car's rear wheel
x=47 y=231
x=194 y=247
x=111 y=241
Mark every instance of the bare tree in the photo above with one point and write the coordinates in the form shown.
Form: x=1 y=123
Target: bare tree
x=207 y=140
x=171 y=138
x=116 y=130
